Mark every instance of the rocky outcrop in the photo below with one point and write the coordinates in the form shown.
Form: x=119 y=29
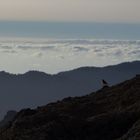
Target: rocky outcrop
x=111 y=113
x=8 y=118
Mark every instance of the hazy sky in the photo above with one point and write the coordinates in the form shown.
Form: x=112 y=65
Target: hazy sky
x=71 y=10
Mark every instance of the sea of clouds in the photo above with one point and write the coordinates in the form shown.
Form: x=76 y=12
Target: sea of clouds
x=55 y=55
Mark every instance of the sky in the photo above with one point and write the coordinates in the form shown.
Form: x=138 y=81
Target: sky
x=126 y=11
x=115 y=19
x=41 y=34
x=69 y=30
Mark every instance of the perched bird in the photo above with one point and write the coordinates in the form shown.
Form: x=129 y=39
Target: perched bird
x=104 y=84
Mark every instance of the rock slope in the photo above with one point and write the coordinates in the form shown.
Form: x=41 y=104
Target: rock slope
x=8 y=117
x=109 y=114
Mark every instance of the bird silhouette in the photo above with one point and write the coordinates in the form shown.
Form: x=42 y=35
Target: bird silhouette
x=104 y=83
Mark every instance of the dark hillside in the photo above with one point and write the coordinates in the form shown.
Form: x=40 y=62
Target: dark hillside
x=109 y=114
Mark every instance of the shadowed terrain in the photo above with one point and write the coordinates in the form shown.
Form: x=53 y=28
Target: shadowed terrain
x=111 y=113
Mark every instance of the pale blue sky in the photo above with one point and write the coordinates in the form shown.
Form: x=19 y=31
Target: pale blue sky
x=119 y=19
x=69 y=30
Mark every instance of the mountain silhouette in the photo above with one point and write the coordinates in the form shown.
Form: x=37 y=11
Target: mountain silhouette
x=35 y=88
x=111 y=113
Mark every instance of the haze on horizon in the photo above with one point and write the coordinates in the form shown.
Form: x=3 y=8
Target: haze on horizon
x=120 y=11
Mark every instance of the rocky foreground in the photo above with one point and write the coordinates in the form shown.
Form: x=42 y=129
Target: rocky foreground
x=109 y=114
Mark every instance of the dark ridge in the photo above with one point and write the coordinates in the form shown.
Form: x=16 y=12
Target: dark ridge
x=34 y=73
x=90 y=68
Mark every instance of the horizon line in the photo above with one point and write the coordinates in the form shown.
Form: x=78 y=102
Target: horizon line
x=76 y=68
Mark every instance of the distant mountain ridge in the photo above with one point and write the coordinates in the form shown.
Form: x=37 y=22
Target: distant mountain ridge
x=35 y=88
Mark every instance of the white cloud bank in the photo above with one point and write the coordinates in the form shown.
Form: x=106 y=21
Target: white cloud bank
x=53 y=56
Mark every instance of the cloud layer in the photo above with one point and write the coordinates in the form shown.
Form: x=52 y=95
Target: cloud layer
x=57 y=55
